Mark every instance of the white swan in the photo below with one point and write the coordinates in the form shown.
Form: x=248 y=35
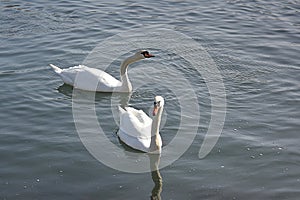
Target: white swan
x=139 y=131
x=92 y=79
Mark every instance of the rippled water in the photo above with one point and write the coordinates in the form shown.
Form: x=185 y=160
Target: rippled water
x=255 y=45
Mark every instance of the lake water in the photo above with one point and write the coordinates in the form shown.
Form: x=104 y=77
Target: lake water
x=255 y=46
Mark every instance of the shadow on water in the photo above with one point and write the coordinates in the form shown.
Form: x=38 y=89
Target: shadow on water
x=122 y=98
x=66 y=90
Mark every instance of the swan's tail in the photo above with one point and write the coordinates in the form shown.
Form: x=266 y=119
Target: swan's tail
x=56 y=69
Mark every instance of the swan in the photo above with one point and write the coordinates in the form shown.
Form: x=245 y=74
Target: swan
x=138 y=130
x=91 y=77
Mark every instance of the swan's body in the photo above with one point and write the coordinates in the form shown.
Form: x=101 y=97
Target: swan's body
x=139 y=131
x=92 y=79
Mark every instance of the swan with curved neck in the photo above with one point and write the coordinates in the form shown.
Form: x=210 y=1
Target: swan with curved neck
x=139 y=131
x=92 y=79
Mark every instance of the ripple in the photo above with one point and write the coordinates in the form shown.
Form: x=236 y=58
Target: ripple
x=255 y=45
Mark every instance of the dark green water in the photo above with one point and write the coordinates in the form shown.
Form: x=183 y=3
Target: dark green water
x=255 y=45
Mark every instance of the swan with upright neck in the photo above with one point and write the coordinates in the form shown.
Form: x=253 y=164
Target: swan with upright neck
x=91 y=79
x=138 y=130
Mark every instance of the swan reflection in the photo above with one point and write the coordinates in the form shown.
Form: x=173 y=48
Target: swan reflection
x=156 y=177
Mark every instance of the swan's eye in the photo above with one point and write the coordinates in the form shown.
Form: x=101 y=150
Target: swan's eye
x=156 y=103
x=145 y=53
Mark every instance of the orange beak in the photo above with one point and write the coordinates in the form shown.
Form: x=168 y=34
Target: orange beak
x=155 y=110
x=148 y=55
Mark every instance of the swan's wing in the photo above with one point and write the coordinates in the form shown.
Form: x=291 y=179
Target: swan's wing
x=104 y=78
x=68 y=75
x=135 y=123
x=140 y=115
x=89 y=78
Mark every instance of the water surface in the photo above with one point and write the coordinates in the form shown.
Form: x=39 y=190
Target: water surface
x=255 y=45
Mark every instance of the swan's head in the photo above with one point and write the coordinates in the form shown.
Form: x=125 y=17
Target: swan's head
x=143 y=54
x=158 y=104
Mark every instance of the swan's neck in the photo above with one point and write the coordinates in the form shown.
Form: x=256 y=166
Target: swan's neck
x=155 y=137
x=123 y=71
